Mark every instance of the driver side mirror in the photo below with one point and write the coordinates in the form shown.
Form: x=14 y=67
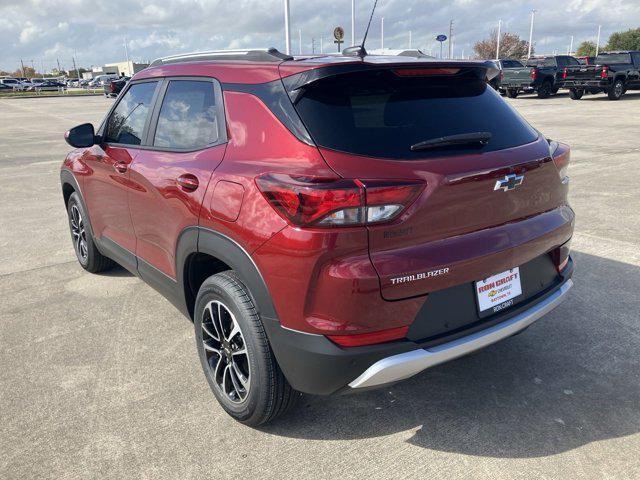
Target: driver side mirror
x=81 y=136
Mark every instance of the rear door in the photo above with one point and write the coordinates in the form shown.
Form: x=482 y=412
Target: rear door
x=366 y=124
x=107 y=182
x=186 y=142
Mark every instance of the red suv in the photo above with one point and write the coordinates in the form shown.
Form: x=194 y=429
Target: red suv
x=329 y=223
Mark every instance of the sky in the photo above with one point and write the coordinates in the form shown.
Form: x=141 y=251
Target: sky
x=44 y=32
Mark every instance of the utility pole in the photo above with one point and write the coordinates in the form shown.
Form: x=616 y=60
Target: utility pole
x=353 y=22
x=287 y=28
x=300 y=40
x=598 y=40
x=58 y=62
x=382 y=33
x=533 y=14
x=22 y=65
x=498 y=40
x=313 y=45
x=76 y=69
x=126 y=51
x=570 y=46
x=450 y=38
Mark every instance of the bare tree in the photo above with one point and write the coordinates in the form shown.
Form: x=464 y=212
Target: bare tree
x=511 y=46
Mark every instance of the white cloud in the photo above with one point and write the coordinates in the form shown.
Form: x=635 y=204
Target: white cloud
x=34 y=29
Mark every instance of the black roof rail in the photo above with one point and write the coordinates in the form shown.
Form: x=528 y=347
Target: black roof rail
x=254 y=55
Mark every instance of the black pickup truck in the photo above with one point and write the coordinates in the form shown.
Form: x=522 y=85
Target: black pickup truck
x=543 y=75
x=613 y=73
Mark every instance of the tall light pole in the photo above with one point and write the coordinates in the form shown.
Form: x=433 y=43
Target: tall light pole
x=570 y=46
x=533 y=14
x=126 y=50
x=353 y=22
x=321 y=44
x=287 y=28
x=300 y=40
x=598 y=40
x=498 y=40
x=382 y=33
x=450 y=38
x=409 y=39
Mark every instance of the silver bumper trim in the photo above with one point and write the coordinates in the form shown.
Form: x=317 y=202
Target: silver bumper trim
x=405 y=365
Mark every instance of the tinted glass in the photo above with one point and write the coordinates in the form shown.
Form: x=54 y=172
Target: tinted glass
x=126 y=123
x=187 y=117
x=541 y=62
x=512 y=64
x=613 y=58
x=381 y=114
x=573 y=61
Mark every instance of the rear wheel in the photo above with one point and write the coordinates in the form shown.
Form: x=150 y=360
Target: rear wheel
x=512 y=92
x=235 y=354
x=555 y=90
x=617 y=90
x=576 y=93
x=545 y=90
x=86 y=251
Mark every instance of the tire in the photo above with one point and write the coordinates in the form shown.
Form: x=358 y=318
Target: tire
x=512 y=92
x=545 y=90
x=617 y=90
x=240 y=367
x=86 y=251
x=555 y=90
x=576 y=93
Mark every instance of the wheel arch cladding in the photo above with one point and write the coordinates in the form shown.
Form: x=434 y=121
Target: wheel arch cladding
x=70 y=186
x=215 y=252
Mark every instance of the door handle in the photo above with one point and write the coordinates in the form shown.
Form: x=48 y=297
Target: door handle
x=120 y=167
x=188 y=182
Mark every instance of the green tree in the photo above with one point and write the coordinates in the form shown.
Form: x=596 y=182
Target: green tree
x=586 y=49
x=629 y=40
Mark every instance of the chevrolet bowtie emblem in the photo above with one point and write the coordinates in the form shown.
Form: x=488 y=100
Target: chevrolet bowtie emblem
x=509 y=182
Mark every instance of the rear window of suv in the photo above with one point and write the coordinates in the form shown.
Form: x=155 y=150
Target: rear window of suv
x=381 y=114
x=613 y=58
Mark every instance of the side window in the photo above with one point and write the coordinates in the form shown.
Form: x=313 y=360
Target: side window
x=126 y=123
x=562 y=62
x=188 y=117
x=636 y=59
x=573 y=61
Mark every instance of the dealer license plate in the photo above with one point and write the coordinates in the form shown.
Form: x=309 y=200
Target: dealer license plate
x=498 y=292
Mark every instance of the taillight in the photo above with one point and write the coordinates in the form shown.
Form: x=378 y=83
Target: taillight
x=564 y=73
x=561 y=155
x=561 y=256
x=372 y=338
x=604 y=72
x=501 y=75
x=311 y=201
x=112 y=87
x=534 y=73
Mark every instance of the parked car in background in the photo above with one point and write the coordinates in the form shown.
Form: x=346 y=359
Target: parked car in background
x=49 y=86
x=5 y=88
x=330 y=224
x=13 y=83
x=543 y=75
x=102 y=80
x=501 y=64
x=613 y=73
x=114 y=87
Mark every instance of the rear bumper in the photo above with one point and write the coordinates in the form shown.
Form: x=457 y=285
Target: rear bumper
x=586 y=84
x=313 y=364
x=405 y=365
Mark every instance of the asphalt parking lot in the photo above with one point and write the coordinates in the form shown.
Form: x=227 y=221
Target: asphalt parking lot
x=99 y=376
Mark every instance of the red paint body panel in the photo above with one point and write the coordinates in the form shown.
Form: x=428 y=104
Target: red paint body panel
x=160 y=208
x=227 y=200
x=228 y=72
x=105 y=193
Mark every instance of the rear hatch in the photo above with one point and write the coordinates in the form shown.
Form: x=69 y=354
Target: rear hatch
x=365 y=124
x=583 y=72
x=516 y=76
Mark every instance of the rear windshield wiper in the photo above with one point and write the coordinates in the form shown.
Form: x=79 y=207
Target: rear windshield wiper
x=479 y=139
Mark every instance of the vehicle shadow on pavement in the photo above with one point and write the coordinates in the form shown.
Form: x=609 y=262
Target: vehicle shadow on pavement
x=571 y=379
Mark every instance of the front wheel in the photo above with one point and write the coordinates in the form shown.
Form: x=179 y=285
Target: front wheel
x=617 y=90
x=576 y=93
x=235 y=354
x=86 y=251
x=512 y=92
